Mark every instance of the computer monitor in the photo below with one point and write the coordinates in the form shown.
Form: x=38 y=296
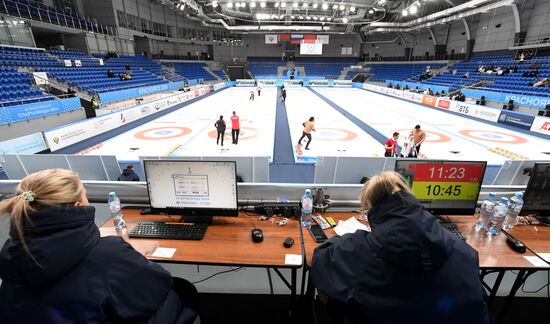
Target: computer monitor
x=536 y=200
x=196 y=190
x=444 y=187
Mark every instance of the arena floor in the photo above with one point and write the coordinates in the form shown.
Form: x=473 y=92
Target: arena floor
x=190 y=130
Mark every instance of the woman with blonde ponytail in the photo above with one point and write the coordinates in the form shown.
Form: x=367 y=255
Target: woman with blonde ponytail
x=55 y=268
x=407 y=270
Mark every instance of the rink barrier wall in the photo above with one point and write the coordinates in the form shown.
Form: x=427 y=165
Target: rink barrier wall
x=61 y=137
x=120 y=95
x=421 y=86
x=503 y=97
x=28 y=144
x=13 y=114
x=88 y=167
x=534 y=125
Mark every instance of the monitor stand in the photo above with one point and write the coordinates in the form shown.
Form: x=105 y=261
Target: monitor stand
x=183 y=218
x=196 y=219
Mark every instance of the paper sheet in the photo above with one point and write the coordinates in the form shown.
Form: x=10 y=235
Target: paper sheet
x=536 y=261
x=545 y=256
x=164 y=252
x=350 y=226
x=293 y=259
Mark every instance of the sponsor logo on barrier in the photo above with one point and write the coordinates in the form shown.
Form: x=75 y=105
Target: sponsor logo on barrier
x=541 y=125
x=64 y=136
x=153 y=89
x=463 y=108
x=516 y=119
x=444 y=104
x=429 y=100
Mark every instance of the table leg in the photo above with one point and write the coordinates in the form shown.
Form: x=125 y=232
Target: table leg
x=496 y=285
x=520 y=279
x=293 y=284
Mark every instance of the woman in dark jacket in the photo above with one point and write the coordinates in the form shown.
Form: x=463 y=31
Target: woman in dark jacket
x=407 y=270
x=55 y=268
x=220 y=127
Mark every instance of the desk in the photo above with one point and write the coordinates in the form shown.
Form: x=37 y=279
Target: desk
x=495 y=256
x=227 y=242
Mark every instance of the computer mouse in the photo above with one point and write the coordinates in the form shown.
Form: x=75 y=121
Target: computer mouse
x=257 y=235
x=516 y=244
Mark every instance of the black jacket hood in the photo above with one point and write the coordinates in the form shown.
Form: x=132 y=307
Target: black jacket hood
x=127 y=172
x=407 y=235
x=57 y=238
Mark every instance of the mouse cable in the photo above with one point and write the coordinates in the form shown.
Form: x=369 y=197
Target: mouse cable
x=218 y=273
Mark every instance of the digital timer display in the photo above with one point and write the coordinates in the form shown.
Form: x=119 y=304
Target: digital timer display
x=444 y=185
x=446 y=181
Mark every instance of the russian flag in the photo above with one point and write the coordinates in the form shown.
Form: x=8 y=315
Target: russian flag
x=296 y=39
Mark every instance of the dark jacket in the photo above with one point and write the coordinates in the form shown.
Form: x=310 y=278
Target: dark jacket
x=128 y=175
x=82 y=278
x=220 y=125
x=407 y=270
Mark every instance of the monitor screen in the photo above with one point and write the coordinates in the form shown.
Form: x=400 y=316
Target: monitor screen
x=444 y=187
x=201 y=188
x=536 y=199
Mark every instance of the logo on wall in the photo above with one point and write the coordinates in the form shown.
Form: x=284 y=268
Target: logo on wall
x=502 y=117
x=545 y=126
x=445 y=104
x=56 y=140
x=157 y=106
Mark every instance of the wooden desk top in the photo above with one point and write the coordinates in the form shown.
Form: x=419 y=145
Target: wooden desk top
x=227 y=241
x=494 y=252
x=536 y=236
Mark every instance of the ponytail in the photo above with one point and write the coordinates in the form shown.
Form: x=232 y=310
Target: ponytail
x=38 y=191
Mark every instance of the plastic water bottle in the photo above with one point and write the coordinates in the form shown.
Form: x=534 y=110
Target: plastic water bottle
x=499 y=214
x=118 y=219
x=514 y=207
x=307 y=205
x=486 y=211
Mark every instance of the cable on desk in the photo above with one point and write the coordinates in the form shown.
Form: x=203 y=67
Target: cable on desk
x=218 y=273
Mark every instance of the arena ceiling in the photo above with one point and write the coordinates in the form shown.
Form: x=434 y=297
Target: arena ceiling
x=345 y=16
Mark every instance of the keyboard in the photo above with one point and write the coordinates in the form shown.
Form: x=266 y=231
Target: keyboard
x=451 y=227
x=175 y=231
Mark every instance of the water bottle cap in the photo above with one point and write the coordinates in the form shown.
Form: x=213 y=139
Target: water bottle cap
x=112 y=194
x=504 y=200
x=519 y=195
x=307 y=191
x=492 y=195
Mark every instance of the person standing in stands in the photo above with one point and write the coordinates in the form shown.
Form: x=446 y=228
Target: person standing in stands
x=251 y=98
x=391 y=145
x=220 y=127
x=408 y=262
x=418 y=136
x=128 y=174
x=309 y=126
x=235 y=128
x=56 y=267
